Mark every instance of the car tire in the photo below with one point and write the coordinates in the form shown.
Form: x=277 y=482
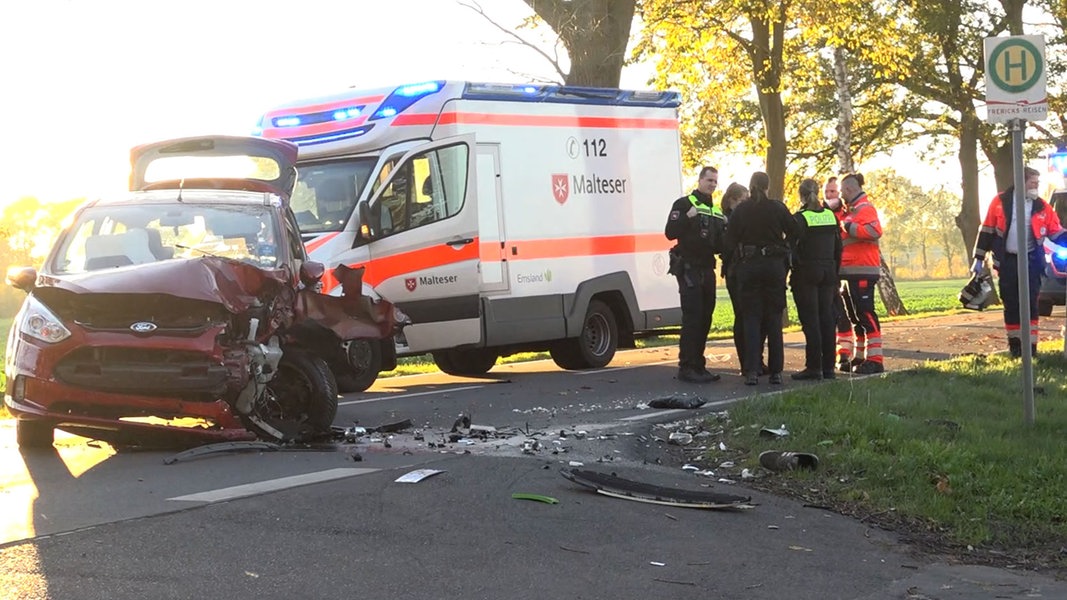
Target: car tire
x=34 y=434
x=595 y=345
x=300 y=402
x=364 y=363
x=1044 y=307
x=466 y=362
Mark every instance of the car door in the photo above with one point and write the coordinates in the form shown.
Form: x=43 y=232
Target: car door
x=423 y=244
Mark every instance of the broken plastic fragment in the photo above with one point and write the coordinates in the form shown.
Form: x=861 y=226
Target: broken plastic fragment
x=534 y=497
x=774 y=433
x=417 y=475
x=680 y=439
x=678 y=402
x=774 y=460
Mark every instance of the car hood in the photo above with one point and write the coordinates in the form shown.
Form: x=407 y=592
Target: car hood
x=234 y=284
x=281 y=152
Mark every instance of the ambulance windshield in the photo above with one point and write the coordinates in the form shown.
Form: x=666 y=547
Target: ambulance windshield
x=326 y=193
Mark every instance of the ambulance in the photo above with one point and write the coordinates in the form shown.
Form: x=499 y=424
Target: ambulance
x=499 y=218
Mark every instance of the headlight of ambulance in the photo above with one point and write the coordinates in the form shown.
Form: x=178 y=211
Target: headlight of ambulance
x=40 y=323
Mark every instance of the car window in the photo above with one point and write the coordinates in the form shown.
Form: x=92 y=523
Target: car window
x=104 y=237
x=325 y=194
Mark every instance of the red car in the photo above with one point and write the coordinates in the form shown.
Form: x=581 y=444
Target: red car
x=185 y=311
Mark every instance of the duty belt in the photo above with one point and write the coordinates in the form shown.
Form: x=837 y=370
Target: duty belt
x=750 y=250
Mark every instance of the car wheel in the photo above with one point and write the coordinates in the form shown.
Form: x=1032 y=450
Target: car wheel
x=364 y=364
x=1044 y=307
x=466 y=362
x=300 y=401
x=596 y=344
x=34 y=434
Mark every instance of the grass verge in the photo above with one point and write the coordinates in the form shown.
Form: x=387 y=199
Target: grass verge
x=940 y=454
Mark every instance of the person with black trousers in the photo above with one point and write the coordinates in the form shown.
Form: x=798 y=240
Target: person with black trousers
x=759 y=235
x=735 y=194
x=697 y=225
x=814 y=280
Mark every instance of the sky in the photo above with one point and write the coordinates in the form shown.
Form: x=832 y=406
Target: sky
x=84 y=81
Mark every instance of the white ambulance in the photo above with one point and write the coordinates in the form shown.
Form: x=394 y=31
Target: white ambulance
x=500 y=218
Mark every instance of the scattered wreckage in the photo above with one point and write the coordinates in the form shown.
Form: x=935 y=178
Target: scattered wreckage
x=186 y=311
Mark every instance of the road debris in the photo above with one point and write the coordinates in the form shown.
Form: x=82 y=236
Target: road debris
x=418 y=475
x=610 y=484
x=220 y=448
x=678 y=401
x=774 y=460
x=534 y=497
x=768 y=432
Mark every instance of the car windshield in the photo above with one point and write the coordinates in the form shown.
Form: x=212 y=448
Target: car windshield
x=109 y=236
x=326 y=193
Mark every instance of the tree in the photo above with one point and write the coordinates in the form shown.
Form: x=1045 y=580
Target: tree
x=595 y=34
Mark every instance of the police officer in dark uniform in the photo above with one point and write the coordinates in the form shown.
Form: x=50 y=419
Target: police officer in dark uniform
x=816 y=257
x=698 y=227
x=760 y=233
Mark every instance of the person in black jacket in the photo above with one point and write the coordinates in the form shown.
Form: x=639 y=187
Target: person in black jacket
x=735 y=194
x=698 y=227
x=759 y=236
x=816 y=257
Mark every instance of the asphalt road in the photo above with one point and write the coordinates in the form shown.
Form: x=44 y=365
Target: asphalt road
x=331 y=522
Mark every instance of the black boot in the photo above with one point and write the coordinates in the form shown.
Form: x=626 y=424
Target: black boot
x=1015 y=347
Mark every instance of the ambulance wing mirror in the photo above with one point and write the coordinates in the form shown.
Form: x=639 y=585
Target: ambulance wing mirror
x=368 y=226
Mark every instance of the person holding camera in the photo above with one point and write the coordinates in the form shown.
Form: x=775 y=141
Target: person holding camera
x=697 y=225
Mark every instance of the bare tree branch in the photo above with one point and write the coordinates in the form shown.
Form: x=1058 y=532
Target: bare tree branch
x=519 y=39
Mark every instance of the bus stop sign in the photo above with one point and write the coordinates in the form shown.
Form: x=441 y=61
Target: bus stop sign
x=1015 y=72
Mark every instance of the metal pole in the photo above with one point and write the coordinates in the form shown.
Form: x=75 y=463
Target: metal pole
x=1018 y=127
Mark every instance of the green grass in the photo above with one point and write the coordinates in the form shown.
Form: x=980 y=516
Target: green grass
x=922 y=298
x=943 y=449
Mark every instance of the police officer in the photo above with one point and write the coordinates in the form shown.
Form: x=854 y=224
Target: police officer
x=814 y=279
x=698 y=227
x=759 y=234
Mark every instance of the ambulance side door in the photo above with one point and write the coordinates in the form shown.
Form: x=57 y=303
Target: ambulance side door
x=423 y=230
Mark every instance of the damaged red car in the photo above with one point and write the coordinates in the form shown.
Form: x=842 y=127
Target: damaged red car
x=185 y=311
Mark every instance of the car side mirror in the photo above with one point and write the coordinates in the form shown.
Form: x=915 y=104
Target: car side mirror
x=311 y=272
x=22 y=278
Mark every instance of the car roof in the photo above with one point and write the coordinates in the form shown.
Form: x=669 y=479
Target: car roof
x=197 y=196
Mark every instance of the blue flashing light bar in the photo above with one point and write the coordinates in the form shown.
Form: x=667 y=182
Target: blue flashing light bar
x=335 y=136
x=569 y=94
x=404 y=96
x=1058 y=162
x=326 y=116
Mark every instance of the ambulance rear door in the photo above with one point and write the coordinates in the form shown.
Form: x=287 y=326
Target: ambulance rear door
x=422 y=219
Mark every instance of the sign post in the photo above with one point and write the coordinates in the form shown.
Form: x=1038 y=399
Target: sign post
x=1015 y=93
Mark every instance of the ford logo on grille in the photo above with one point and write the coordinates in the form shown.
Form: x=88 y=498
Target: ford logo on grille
x=143 y=327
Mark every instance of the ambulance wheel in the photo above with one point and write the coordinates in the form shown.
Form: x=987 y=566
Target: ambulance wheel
x=1044 y=307
x=596 y=344
x=364 y=363
x=467 y=362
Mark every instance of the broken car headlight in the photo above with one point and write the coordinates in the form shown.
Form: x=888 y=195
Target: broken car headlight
x=40 y=323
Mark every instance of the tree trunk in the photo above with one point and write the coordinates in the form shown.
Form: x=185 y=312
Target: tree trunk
x=844 y=112
x=595 y=34
x=887 y=288
x=969 y=218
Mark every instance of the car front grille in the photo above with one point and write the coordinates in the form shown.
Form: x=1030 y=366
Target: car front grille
x=146 y=371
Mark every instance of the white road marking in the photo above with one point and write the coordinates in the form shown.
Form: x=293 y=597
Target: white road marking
x=398 y=397
x=610 y=369
x=272 y=485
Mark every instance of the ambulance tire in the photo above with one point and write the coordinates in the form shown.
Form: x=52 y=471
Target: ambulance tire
x=364 y=363
x=596 y=344
x=466 y=362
